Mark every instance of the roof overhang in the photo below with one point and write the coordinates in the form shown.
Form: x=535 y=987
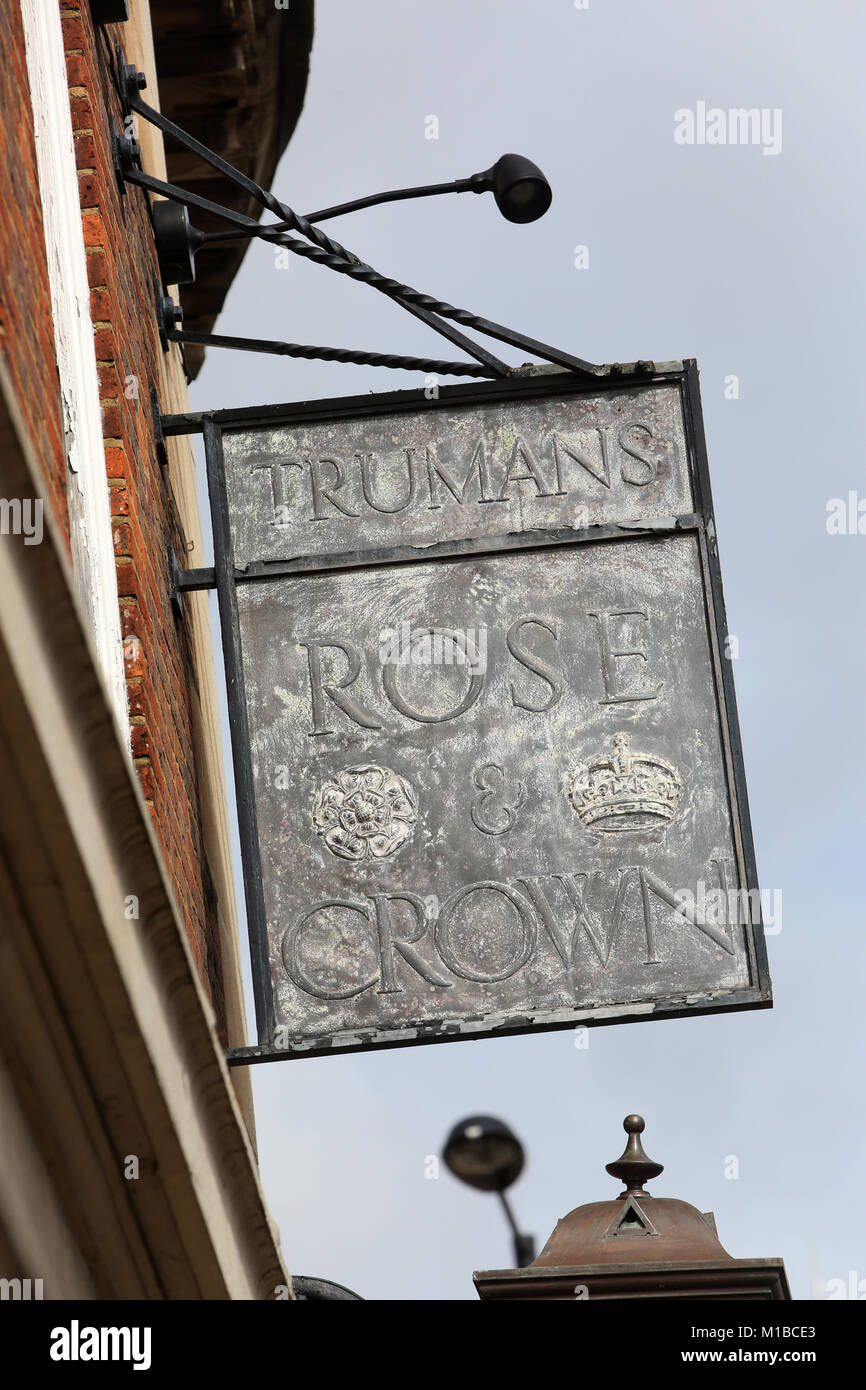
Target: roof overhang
x=234 y=75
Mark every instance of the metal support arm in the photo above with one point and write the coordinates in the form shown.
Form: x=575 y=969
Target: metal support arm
x=327 y=251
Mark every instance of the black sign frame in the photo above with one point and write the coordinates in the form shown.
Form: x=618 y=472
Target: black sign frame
x=225 y=577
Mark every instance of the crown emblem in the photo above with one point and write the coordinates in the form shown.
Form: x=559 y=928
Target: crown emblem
x=623 y=790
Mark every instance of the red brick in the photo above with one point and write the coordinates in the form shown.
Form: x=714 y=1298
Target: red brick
x=94 y=229
x=145 y=776
x=90 y=190
x=118 y=501
x=103 y=304
x=85 y=150
x=97 y=268
x=131 y=624
x=112 y=424
x=134 y=661
x=105 y=344
x=126 y=578
x=81 y=111
x=73 y=33
x=140 y=741
x=135 y=698
x=77 y=70
x=109 y=380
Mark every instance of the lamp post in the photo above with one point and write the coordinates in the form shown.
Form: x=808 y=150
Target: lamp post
x=485 y=1154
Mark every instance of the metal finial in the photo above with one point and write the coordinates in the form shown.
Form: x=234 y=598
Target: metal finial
x=633 y=1167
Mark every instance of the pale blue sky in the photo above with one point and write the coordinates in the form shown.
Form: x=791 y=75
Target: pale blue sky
x=753 y=265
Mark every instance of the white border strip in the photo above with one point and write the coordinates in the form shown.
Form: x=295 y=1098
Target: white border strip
x=90 y=513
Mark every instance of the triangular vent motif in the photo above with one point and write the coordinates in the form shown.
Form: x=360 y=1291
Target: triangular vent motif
x=632 y=1220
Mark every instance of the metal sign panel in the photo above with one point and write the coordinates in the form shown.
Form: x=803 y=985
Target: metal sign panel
x=466 y=473
x=485 y=740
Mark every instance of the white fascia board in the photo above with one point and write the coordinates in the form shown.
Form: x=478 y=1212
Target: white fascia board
x=90 y=512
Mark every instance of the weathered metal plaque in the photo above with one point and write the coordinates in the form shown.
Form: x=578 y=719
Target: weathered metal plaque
x=494 y=779
x=456 y=473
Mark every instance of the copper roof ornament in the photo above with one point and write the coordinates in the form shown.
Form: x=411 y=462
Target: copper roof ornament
x=636 y=1245
x=634 y=1167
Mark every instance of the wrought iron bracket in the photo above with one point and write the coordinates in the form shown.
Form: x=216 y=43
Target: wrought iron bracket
x=175 y=593
x=184 y=581
x=193 y=579
x=319 y=246
x=126 y=157
x=169 y=316
x=158 y=433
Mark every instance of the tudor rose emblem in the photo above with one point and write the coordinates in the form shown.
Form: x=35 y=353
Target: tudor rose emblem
x=623 y=790
x=365 y=812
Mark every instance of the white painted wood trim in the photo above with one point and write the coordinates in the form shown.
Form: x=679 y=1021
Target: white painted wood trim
x=85 y=850
x=89 y=510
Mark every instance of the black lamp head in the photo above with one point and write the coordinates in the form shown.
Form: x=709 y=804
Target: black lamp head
x=521 y=191
x=484 y=1153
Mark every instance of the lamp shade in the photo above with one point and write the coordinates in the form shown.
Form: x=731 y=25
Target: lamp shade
x=521 y=191
x=484 y=1153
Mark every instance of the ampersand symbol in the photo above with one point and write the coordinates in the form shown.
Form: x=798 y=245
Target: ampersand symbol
x=491 y=781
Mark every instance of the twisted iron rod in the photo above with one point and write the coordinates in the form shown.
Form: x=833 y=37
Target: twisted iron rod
x=338 y=258
x=327 y=354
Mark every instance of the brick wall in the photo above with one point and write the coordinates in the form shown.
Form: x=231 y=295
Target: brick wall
x=26 y=332
x=124 y=277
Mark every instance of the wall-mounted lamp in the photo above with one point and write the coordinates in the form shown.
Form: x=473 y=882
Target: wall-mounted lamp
x=521 y=191
x=522 y=195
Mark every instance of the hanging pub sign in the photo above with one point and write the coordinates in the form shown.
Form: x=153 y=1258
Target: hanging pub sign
x=486 y=750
